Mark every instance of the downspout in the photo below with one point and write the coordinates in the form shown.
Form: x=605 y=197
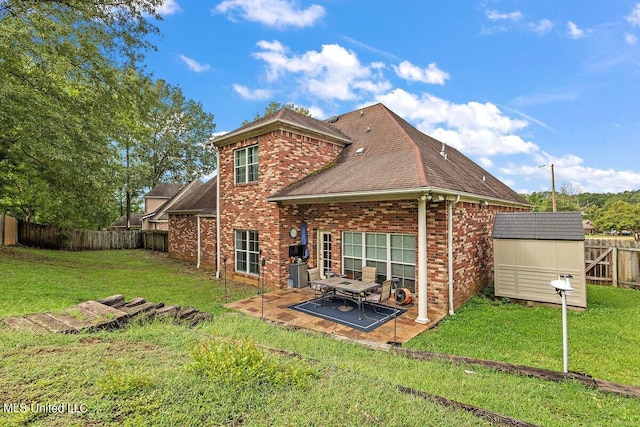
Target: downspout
x=422 y=260
x=218 y=213
x=450 y=205
x=198 y=232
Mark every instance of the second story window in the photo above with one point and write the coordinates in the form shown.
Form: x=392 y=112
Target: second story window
x=246 y=164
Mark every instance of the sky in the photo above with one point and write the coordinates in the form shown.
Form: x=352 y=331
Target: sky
x=515 y=85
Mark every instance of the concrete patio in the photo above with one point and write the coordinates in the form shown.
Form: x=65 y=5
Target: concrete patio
x=276 y=310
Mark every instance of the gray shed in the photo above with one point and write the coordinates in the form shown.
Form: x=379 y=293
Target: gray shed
x=531 y=249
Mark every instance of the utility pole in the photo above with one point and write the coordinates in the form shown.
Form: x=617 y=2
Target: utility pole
x=553 y=187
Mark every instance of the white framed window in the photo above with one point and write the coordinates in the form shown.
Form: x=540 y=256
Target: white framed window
x=247 y=251
x=246 y=164
x=394 y=256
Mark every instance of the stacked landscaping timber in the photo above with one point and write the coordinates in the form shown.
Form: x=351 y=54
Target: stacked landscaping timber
x=108 y=313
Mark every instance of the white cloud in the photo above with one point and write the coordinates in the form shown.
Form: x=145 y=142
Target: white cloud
x=273 y=13
x=432 y=74
x=194 y=65
x=168 y=7
x=542 y=27
x=569 y=169
x=474 y=128
x=494 y=15
x=630 y=39
x=253 y=95
x=574 y=32
x=634 y=16
x=334 y=73
x=503 y=22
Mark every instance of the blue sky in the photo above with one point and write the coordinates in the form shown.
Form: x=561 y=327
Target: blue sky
x=512 y=84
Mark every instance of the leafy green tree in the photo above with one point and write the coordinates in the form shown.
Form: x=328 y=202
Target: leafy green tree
x=620 y=216
x=60 y=61
x=178 y=129
x=161 y=137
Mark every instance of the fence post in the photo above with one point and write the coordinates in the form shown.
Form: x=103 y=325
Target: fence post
x=614 y=267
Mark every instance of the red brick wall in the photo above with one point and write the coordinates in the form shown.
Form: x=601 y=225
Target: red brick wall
x=472 y=228
x=183 y=239
x=283 y=157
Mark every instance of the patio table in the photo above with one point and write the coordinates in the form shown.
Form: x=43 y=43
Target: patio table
x=355 y=288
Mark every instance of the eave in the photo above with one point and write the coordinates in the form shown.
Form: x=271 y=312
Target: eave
x=433 y=194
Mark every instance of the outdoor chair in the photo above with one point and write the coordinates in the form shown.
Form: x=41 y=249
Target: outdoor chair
x=381 y=297
x=369 y=274
x=320 y=291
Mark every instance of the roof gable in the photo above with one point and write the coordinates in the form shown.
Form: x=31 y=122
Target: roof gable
x=164 y=190
x=200 y=200
x=538 y=226
x=160 y=214
x=283 y=118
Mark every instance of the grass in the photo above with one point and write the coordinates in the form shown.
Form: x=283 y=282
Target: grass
x=603 y=340
x=164 y=374
x=38 y=280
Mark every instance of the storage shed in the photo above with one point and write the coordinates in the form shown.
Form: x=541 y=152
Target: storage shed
x=533 y=248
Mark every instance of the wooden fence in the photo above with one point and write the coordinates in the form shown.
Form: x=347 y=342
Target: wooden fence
x=48 y=237
x=612 y=262
x=8 y=230
x=155 y=240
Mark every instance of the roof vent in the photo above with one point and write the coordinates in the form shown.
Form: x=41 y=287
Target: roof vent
x=359 y=151
x=361 y=113
x=443 y=152
x=368 y=129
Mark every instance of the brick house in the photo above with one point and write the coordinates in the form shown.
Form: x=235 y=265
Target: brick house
x=160 y=199
x=192 y=225
x=371 y=190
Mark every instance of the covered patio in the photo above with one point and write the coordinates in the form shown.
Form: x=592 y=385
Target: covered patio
x=276 y=309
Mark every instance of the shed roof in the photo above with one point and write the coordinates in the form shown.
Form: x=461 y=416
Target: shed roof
x=538 y=226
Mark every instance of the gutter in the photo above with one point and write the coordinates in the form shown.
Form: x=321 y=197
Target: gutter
x=391 y=194
x=217 y=150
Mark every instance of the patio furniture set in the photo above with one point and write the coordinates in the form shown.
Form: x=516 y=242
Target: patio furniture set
x=360 y=291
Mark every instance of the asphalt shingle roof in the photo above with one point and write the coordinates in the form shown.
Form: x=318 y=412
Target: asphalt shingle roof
x=165 y=190
x=387 y=154
x=201 y=199
x=538 y=226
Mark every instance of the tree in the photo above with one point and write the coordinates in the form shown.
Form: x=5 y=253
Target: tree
x=620 y=216
x=161 y=137
x=275 y=106
x=176 y=149
x=80 y=123
x=58 y=86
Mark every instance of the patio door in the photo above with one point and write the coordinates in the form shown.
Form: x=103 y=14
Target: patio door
x=324 y=251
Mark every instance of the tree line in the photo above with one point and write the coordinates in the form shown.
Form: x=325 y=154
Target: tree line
x=84 y=130
x=609 y=212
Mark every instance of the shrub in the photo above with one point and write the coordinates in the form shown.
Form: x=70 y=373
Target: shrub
x=119 y=381
x=243 y=363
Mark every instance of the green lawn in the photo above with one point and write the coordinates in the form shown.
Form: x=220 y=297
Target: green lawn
x=151 y=374
x=604 y=340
